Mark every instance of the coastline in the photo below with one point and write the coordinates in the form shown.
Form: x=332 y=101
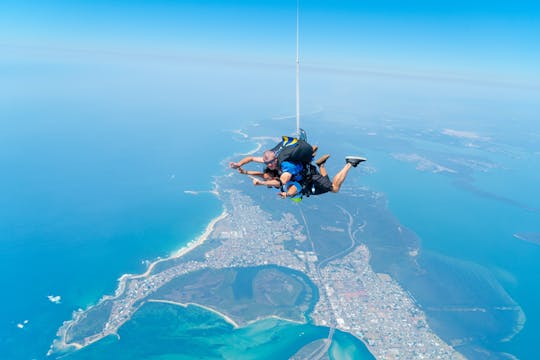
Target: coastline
x=251 y=152
x=236 y=325
x=225 y=317
x=212 y=310
x=183 y=250
x=520 y=324
x=201 y=239
x=61 y=344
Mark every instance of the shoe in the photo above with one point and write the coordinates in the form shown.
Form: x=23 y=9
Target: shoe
x=354 y=160
x=322 y=160
x=302 y=135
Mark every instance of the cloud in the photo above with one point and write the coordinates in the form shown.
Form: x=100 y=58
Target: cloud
x=54 y=299
x=464 y=134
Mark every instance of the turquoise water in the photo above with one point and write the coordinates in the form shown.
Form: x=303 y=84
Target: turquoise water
x=164 y=331
x=346 y=347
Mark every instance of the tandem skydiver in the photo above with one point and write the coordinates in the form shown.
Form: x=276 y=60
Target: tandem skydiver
x=289 y=168
x=297 y=180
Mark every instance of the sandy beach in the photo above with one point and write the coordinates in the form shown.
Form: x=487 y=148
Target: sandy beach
x=220 y=314
x=184 y=250
x=201 y=239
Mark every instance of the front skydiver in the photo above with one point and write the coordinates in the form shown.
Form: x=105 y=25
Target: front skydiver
x=266 y=174
x=288 y=158
x=288 y=171
x=289 y=149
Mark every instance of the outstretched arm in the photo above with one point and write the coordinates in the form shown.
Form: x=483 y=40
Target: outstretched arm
x=291 y=191
x=283 y=179
x=247 y=159
x=250 y=172
x=274 y=182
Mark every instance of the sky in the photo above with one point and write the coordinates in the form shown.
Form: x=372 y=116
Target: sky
x=495 y=41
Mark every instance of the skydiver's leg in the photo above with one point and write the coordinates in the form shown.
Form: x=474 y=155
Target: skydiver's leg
x=322 y=170
x=320 y=163
x=340 y=177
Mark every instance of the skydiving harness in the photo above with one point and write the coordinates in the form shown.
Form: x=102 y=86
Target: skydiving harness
x=306 y=183
x=297 y=151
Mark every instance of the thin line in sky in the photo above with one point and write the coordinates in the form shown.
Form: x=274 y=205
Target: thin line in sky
x=228 y=61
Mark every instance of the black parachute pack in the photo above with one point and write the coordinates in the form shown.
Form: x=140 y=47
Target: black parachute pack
x=297 y=151
x=293 y=150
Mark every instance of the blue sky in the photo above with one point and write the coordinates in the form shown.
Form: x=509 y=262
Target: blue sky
x=484 y=39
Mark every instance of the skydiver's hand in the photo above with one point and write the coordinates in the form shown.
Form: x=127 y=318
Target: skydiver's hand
x=282 y=194
x=257 y=182
x=234 y=165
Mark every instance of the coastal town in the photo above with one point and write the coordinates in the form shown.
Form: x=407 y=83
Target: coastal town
x=352 y=297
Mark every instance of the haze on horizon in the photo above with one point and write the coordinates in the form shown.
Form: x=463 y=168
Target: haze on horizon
x=485 y=40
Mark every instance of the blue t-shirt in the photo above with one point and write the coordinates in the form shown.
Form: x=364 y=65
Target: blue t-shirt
x=298 y=196
x=295 y=169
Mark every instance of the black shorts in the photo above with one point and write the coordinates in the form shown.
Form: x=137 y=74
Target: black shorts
x=320 y=184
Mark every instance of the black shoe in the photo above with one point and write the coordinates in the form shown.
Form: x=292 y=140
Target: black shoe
x=354 y=160
x=322 y=160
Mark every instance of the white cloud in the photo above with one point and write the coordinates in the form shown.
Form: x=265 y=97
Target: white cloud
x=54 y=299
x=464 y=134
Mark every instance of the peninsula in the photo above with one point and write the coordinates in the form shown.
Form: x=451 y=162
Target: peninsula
x=271 y=259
